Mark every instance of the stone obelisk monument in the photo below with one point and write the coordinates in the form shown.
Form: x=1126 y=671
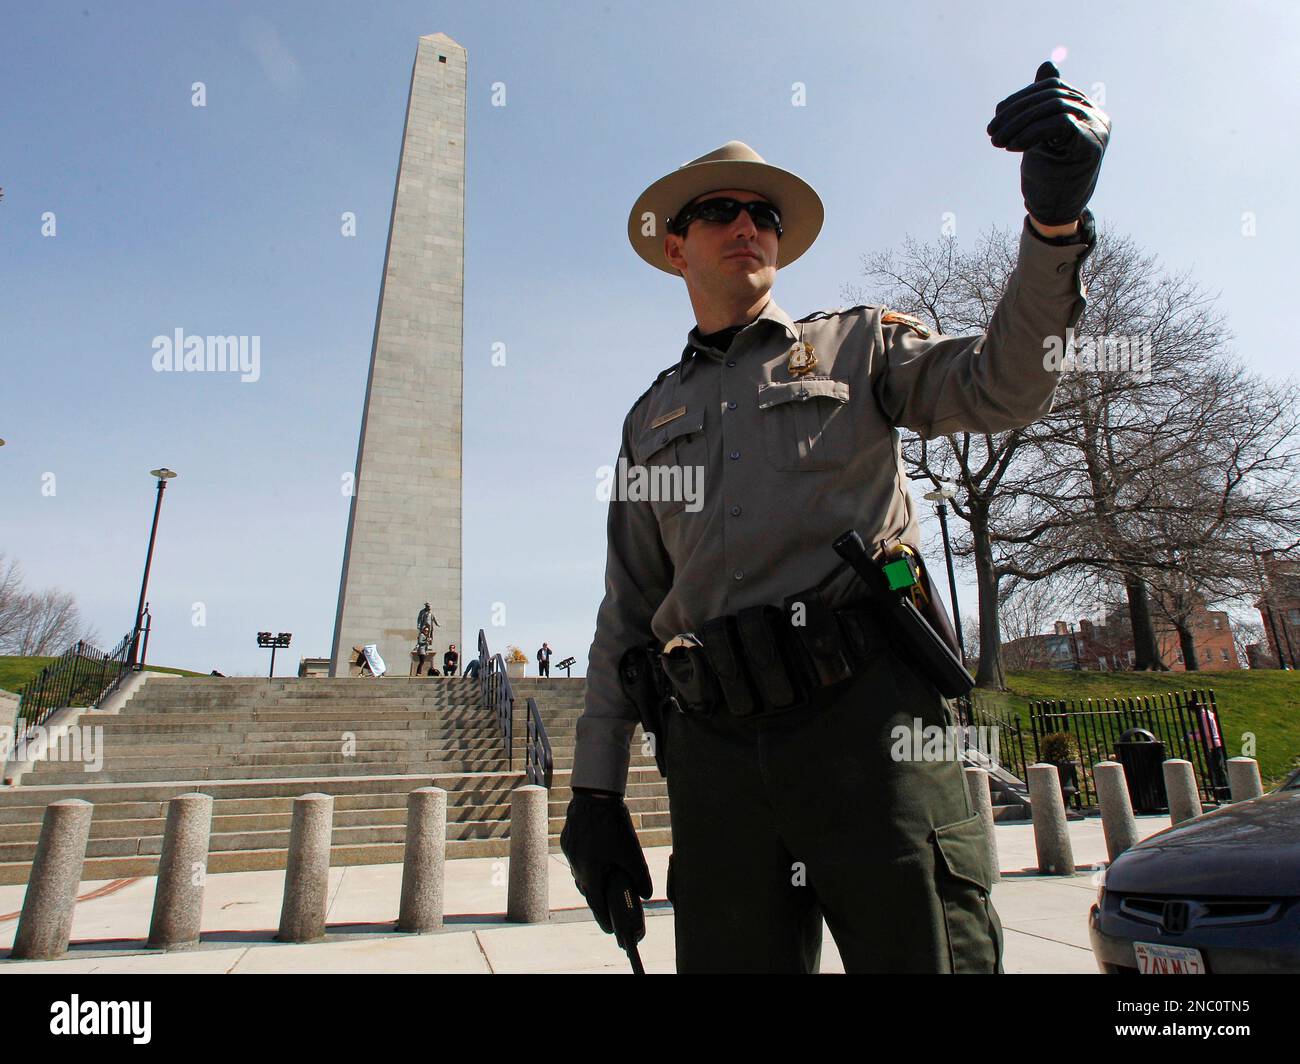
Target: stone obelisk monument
x=404 y=528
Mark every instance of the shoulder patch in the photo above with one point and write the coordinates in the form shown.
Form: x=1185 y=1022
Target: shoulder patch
x=893 y=317
x=819 y=315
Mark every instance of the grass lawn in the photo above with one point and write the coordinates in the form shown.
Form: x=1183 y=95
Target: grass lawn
x=1262 y=702
x=14 y=671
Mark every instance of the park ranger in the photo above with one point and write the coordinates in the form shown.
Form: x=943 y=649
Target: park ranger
x=788 y=802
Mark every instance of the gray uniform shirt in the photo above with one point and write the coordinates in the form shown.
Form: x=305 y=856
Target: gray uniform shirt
x=788 y=462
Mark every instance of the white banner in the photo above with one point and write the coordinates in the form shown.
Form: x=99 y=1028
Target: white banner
x=376 y=663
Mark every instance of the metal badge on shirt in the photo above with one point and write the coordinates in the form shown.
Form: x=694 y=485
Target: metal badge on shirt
x=802 y=360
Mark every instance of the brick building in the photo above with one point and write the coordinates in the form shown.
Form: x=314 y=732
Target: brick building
x=1053 y=651
x=1107 y=645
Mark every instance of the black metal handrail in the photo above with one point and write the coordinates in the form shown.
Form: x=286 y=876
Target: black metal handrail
x=484 y=658
x=503 y=696
x=82 y=675
x=496 y=694
x=539 y=764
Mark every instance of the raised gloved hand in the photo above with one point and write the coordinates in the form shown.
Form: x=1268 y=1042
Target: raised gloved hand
x=598 y=836
x=1063 y=135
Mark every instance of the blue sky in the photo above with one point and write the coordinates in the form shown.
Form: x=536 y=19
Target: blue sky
x=225 y=219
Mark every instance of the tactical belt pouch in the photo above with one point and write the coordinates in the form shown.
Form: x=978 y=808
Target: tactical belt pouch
x=819 y=637
x=688 y=669
x=763 y=641
x=723 y=650
x=856 y=626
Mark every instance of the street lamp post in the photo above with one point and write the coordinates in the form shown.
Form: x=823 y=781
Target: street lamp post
x=940 y=496
x=164 y=474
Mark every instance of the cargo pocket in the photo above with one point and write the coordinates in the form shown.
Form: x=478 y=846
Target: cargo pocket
x=672 y=898
x=973 y=929
x=806 y=423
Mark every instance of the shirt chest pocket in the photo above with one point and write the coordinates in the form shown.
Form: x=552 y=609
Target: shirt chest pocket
x=670 y=465
x=806 y=423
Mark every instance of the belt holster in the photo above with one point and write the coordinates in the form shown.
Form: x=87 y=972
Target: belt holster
x=692 y=677
x=641 y=675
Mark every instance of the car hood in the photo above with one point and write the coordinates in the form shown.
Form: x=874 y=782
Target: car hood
x=1247 y=849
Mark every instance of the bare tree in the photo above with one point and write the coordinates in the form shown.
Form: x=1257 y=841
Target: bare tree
x=1031 y=608
x=1206 y=512
x=1136 y=402
x=970 y=629
x=957 y=293
x=36 y=624
x=1246 y=634
x=1157 y=464
x=49 y=625
x=12 y=599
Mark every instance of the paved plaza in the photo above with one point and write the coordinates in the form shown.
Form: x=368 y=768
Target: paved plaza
x=1044 y=919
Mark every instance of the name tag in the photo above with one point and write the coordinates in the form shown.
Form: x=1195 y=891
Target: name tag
x=663 y=419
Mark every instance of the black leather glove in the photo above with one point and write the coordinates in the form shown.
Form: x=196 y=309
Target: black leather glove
x=1063 y=135
x=598 y=836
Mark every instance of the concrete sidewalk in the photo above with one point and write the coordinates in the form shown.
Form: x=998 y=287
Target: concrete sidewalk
x=1044 y=919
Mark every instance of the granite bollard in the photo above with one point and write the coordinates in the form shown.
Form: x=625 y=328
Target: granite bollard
x=1117 y=821
x=977 y=786
x=1180 y=786
x=45 y=924
x=1051 y=830
x=528 y=894
x=182 y=873
x=1243 y=779
x=307 y=870
x=423 y=861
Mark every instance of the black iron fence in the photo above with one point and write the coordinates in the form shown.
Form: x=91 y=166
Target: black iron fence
x=1002 y=737
x=83 y=675
x=1186 y=723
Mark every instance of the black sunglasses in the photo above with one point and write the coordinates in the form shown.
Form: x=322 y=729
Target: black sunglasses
x=725 y=209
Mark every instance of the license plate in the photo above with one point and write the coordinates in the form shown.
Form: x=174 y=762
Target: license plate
x=1154 y=959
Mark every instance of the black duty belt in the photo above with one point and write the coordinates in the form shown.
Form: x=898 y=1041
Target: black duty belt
x=767 y=660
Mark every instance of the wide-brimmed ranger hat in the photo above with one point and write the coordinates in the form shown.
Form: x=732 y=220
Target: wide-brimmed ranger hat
x=734 y=165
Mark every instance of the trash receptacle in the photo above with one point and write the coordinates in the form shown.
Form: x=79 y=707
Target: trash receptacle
x=1143 y=758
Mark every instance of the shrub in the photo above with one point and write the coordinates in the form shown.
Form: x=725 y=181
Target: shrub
x=1057 y=748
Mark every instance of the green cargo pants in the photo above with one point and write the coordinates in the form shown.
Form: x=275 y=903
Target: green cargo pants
x=779 y=821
